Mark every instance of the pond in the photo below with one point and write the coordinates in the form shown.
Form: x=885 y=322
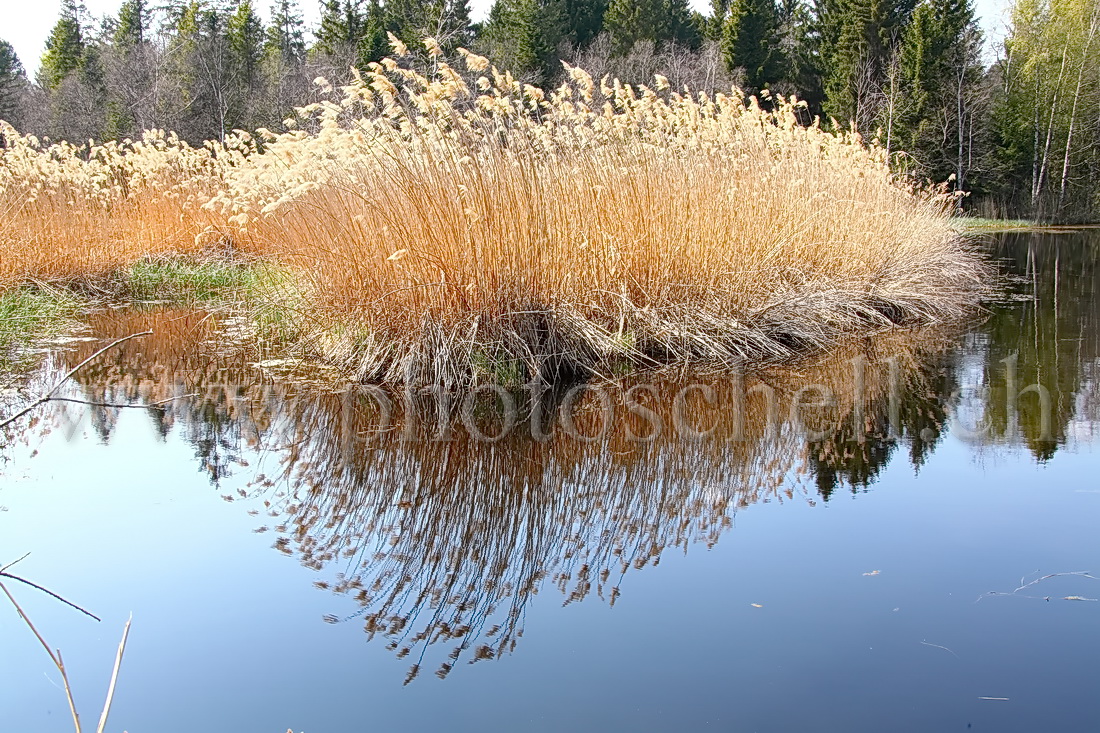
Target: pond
x=900 y=536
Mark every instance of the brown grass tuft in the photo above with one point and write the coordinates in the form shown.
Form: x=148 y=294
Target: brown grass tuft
x=440 y=224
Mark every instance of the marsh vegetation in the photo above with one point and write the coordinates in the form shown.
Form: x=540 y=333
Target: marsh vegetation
x=1006 y=115
x=433 y=224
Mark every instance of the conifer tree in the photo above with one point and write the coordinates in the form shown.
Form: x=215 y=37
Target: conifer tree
x=457 y=25
x=939 y=65
x=64 y=47
x=245 y=35
x=335 y=32
x=132 y=28
x=372 y=43
x=129 y=63
x=205 y=73
x=447 y=21
x=13 y=82
x=285 y=39
x=858 y=38
x=352 y=32
x=716 y=21
x=799 y=49
x=630 y=21
x=750 y=42
x=523 y=36
x=584 y=20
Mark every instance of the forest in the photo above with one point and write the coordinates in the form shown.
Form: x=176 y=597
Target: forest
x=1020 y=135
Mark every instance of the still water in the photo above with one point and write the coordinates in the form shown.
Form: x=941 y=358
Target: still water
x=833 y=547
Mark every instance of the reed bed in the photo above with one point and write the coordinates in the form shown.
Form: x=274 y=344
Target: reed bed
x=456 y=225
x=79 y=213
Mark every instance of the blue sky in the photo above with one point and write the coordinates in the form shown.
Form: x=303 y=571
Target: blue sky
x=27 y=24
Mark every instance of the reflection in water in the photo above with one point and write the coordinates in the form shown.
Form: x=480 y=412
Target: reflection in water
x=441 y=537
x=1049 y=336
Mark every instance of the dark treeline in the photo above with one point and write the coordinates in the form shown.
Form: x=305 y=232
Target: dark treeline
x=1021 y=136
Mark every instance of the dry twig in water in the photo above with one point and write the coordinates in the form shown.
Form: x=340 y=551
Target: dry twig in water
x=55 y=654
x=938 y=646
x=1024 y=586
x=49 y=395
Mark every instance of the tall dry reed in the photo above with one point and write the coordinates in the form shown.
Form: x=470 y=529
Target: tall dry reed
x=72 y=212
x=443 y=227
x=455 y=224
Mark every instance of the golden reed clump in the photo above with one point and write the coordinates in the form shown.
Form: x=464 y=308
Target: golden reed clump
x=70 y=213
x=441 y=223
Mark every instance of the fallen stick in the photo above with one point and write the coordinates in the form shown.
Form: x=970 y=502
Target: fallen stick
x=50 y=593
x=1024 y=586
x=147 y=405
x=114 y=678
x=46 y=397
x=55 y=658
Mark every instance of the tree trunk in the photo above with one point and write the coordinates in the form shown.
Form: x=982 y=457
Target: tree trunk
x=960 y=126
x=1073 y=110
x=1043 y=163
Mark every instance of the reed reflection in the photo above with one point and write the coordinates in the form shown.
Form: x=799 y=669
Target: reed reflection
x=444 y=538
x=437 y=517
x=438 y=525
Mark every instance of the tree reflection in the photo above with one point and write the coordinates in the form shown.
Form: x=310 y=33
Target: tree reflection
x=436 y=534
x=440 y=536
x=1046 y=333
x=917 y=417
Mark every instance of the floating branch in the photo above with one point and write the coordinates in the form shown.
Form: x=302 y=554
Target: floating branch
x=49 y=395
x=1024 y=586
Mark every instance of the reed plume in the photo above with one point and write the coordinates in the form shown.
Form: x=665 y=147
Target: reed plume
x=455 y=225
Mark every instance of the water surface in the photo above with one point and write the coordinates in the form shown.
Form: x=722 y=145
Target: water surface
x=695 y=558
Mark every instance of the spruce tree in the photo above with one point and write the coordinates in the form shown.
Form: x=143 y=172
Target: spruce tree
x=285 y=40
x=410 y=20
x=858 y=38
x=132 y=28
x=204 y=70
x=523 y=36
x=352 y=32
x=716 y=21
x=245 y=35
x=659 y=21
x=13 y=82
x=372 y=43
x=129 y=82
x=64 y=48
x=799 y=49
x=939 y=66
x=72 y=71
x=583 y=21
x=333 y=33
x=750 y=42
x=456 y=23
x=244 y=40
x=447 y=21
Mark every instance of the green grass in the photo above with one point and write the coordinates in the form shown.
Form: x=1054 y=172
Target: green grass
x=29 y=314
x=190 y=281
x=499 y=368
x=977 y=223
